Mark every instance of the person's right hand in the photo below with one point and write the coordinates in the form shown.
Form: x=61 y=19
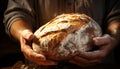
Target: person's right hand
x=25 y=40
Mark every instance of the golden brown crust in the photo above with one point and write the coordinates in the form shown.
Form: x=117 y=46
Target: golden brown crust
x=65 y=36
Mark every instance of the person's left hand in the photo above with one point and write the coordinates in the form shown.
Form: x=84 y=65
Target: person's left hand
x=105 y=43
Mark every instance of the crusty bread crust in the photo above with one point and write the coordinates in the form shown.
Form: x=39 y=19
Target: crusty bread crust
x=66 y=36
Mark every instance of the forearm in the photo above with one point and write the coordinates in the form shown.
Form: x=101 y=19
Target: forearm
x=114 y=30
x=16 y=12
x=17 y=27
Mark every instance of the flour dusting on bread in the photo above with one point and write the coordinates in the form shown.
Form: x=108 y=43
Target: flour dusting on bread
x=66 y=36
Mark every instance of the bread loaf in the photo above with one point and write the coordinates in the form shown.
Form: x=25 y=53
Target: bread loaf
x=66 y=36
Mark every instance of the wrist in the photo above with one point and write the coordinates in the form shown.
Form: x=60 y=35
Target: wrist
x=114 y=31
x=18 y=27
x=27 y=34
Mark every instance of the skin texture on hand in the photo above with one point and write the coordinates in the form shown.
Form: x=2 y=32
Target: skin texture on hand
x=22 y=32
x=25 y=40
x=105 y=44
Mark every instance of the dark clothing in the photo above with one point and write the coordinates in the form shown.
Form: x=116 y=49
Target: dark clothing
x=38 y=12
x=9 y=50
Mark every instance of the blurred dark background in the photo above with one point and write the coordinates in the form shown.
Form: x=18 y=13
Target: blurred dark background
x=9 y=49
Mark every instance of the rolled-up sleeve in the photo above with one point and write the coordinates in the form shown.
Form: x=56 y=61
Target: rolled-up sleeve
x=18 y=9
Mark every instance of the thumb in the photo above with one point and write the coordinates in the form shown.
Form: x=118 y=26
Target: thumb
x=27 y=34
x=105 y=39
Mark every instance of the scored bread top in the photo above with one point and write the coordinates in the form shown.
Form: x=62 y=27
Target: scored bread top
x=65 y=36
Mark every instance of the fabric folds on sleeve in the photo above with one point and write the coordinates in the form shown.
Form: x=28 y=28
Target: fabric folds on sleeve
x=18 y=9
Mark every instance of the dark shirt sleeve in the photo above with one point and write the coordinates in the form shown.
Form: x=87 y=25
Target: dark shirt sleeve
x=113 y=16
x=18 y=9
x=113 y=10
x=112 y=13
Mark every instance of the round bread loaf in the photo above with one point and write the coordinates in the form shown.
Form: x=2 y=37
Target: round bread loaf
x=66 y=36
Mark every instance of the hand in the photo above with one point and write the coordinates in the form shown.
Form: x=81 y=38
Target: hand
x=105 y=44
x=25 y=40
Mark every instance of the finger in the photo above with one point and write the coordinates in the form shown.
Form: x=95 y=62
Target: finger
x=33 y=56
x=78 y=61
x=84 y=62
x=27 y=50
x=27 y=34
x=98 y=54
x=46 y=63
x=80 y=64
x=38 y=58
x=102 y=40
